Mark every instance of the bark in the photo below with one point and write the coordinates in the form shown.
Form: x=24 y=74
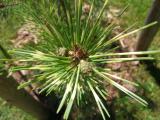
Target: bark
x=21 y=99
x=18 y=76
x=147 y=35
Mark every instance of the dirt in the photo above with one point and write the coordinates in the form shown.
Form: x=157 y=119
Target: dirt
x=27 y=34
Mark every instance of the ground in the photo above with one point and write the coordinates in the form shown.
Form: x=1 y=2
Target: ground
x=125 y=109
x=8 y=112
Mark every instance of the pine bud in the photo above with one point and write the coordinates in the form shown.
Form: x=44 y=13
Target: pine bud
x=86 y=67
x=62 y=51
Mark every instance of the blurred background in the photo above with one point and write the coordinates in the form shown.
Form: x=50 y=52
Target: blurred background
x=136 y=12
